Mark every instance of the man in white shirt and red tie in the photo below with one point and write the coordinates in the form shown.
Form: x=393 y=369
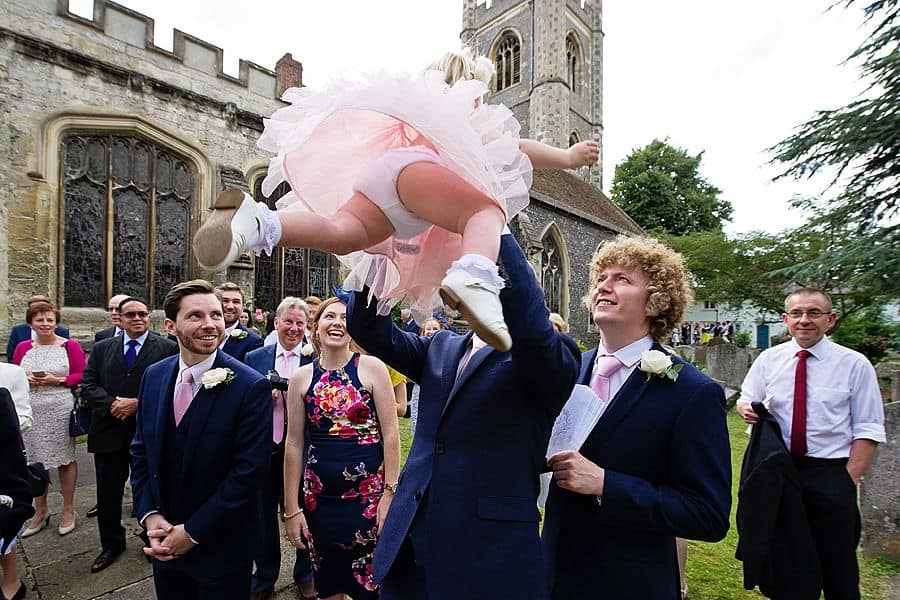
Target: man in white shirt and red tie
x=200 y=453
x=286 y=355
x=827 y=403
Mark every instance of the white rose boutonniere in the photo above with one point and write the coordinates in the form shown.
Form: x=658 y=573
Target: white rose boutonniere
x=307 y=350
x=216 y=377
x=654 y=362
x=238 y=333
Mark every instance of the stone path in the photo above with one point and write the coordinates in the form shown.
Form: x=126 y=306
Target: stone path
x=57 y=568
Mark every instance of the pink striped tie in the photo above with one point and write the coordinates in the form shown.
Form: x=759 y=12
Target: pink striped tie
x=606 y=366
x=184 y=394
x=287 y=369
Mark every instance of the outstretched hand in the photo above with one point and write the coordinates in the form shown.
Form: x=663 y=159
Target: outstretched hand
x=584 y=153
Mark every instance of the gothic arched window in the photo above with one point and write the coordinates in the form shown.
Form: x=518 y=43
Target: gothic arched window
x=552 y=272
x=507 y=60
x=573 y=62
x=127 y=209
x=574 y=138
x=289 y=271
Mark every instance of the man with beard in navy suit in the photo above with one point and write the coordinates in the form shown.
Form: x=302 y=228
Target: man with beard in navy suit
x=238 y=339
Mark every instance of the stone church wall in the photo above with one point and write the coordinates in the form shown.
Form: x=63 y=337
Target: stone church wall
x=58 y=70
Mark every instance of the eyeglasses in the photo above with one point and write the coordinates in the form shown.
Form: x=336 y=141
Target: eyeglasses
x=812 y=314
x=136 y=314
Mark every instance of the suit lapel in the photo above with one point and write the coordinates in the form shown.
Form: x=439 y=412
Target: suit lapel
x=474 y=362
x=117 y=360
x=200 y=408
x=625 y=400
x=144 y=355
x=166 y=391
x=456 y=348
x=587 y=365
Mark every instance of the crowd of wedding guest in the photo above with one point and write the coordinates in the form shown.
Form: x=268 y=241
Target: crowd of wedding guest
x=238 y=428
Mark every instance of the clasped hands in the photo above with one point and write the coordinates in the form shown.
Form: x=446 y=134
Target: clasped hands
x=167 y=541
x=575 y=473
x=44 y=380
x=122 y=407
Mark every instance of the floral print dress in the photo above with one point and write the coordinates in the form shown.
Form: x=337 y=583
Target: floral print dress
x=342 y=481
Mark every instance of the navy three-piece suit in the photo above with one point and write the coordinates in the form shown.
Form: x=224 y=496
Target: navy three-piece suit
x=664 y=446
x=465 y=511
x=204 y=473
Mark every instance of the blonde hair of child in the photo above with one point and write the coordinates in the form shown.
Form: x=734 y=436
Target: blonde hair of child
x=462 y=64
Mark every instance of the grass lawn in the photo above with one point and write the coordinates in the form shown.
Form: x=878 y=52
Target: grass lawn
x=712 y=571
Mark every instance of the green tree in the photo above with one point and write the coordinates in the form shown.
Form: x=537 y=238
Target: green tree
x=859 y=145
x=661 y=188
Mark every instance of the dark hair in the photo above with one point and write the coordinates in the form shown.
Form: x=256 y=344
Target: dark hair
x=131 y=299
x=172 y=303
x=36 y=308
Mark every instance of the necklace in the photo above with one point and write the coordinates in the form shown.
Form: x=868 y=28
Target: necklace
x=343 y=361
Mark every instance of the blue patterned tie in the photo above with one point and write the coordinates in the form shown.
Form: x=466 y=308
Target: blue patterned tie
x=131 y=354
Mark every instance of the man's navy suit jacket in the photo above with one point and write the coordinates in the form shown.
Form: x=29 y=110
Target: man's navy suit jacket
x=224 y=464
x=664 y=446
x=238 y=349
x=471 y=477
x=22 y=332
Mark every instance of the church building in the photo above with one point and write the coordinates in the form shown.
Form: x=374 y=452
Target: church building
x=115 y=147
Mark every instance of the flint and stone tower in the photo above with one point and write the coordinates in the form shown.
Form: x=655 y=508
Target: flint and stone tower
x=548 y=56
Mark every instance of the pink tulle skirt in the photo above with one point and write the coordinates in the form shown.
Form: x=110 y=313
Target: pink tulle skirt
x=324 y=138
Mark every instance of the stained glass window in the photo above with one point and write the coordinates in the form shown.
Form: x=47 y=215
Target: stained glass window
x=127 y=208
x=296 y=272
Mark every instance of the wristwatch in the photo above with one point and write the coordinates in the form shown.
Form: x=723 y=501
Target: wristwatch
x=391 y=487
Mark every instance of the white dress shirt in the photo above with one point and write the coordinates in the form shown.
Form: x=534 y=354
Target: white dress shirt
x=843 y=402
x=629 y=356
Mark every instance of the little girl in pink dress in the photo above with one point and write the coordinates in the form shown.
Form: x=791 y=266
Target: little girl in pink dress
x=410 y=180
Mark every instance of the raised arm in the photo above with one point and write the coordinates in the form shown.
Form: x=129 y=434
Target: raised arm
x=404 y=351
x=547 y=360
x=549 y=157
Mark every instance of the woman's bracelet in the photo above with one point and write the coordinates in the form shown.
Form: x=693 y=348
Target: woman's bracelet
x=288 y=517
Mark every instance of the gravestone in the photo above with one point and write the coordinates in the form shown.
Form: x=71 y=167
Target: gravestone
x=879 y=497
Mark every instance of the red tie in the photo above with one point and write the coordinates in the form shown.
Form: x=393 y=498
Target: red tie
x=798 y=422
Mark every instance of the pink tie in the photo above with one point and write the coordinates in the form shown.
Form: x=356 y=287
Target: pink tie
x=477 y=344
x=184 y=393
x=606 y=366
x=286 y=371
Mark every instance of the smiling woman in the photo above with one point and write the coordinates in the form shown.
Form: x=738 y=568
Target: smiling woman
x=341 y=417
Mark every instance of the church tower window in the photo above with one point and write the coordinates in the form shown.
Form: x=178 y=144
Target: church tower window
x=507 y=60
x=127 y=214
x=573 y=62
x=551 y=273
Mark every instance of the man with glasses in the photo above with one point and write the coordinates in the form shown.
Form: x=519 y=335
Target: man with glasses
x=827 y=405
x=110 y=384
x=116 y=328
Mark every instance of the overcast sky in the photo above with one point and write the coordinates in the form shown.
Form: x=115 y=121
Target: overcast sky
x=726 y=78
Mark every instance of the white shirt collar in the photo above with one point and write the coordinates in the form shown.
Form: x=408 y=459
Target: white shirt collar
x=280 y=350
x=819 y=350
x=198 y=370
x=629 y=355
x=141 y=339
x=228 y=330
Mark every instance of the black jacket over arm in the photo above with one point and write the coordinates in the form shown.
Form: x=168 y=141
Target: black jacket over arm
x=13 y=472
x=774 y=539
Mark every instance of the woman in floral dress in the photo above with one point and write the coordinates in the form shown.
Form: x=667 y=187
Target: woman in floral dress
x=343 y=438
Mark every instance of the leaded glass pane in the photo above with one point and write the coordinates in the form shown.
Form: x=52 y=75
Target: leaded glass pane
x=130 y=242
x=551 y=273
x=173 y=218
x=149 y=223
x=318 y=274
x=85 y=215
